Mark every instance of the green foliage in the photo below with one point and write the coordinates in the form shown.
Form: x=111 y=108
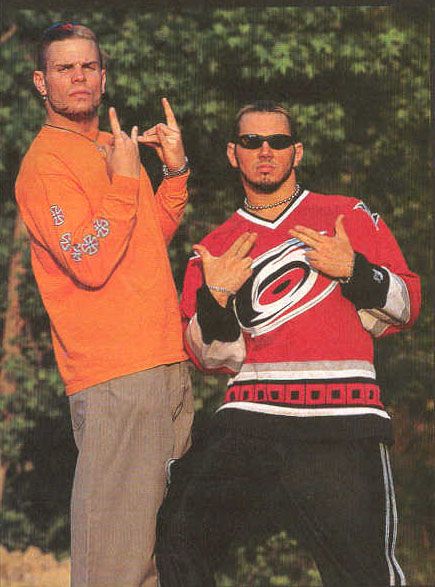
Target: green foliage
x=357 y=82
x=278 y=562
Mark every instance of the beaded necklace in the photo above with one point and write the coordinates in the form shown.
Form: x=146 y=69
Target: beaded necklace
x=247 y=204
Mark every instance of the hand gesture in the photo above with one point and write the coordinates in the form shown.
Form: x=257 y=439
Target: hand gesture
x=166 y=140
x=122 y=156
x=332 y=255
x=230 y=270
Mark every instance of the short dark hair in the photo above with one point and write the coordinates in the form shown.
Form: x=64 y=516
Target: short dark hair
x=262 y=106
x=60 y=31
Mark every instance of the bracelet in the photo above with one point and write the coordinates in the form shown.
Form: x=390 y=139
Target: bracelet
x=221 y=289
x=176 y=172
x=349 y=278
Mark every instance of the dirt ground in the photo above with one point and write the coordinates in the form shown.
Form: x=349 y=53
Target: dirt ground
x=32 y=568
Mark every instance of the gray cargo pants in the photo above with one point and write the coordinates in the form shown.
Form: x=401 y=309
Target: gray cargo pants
x=126 y=430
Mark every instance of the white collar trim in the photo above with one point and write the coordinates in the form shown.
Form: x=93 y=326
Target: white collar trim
x=273 y=224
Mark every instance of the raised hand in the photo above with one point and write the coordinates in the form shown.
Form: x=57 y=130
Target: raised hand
x=122 y=157
x=230 y=270
x=332 y=255
x=166 y=139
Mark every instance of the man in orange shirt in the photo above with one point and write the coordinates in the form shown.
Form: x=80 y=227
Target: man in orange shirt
x=99 y=240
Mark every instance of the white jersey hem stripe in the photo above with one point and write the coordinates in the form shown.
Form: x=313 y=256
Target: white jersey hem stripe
x=303 y=375
x=302 y=412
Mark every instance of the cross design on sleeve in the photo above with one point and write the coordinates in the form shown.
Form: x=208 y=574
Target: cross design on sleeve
x=57 y=214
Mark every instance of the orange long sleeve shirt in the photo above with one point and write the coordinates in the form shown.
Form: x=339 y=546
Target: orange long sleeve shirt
x=99 y=255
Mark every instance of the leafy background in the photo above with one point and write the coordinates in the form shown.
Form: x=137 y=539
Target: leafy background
x=357 y=82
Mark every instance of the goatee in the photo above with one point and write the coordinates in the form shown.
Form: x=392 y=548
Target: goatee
x=263 y=187
x=267 y=187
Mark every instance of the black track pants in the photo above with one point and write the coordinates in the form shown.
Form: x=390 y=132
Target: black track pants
x=337 y=499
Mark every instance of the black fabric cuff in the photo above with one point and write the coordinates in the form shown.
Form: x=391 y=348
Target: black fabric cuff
x=216 y=322
x=368 y=286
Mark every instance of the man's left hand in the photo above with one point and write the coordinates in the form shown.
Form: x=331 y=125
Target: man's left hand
x=166 y=140
x=332 y=255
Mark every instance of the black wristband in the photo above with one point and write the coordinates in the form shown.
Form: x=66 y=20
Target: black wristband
x=216 y=322
x=368 y=286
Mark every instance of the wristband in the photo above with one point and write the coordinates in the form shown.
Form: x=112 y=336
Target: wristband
x=221 y=289
x=176 y=172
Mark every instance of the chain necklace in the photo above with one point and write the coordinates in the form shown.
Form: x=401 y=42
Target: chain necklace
x=247 y=204
x=100 y=148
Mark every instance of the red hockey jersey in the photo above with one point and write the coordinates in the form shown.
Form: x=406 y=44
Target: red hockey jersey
x=305 y=351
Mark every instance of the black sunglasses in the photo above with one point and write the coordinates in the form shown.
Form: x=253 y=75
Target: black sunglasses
x=278 y=142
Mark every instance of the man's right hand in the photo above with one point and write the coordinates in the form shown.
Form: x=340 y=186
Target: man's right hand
x=122 y=157
x=230 y=270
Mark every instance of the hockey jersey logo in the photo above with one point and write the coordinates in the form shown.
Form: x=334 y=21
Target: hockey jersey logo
x=373 y=215
x=281 y=287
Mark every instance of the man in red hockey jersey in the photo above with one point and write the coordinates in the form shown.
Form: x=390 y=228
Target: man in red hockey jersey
x=287 y=296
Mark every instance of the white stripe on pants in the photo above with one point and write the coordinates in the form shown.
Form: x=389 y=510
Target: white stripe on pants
x=391 y=519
